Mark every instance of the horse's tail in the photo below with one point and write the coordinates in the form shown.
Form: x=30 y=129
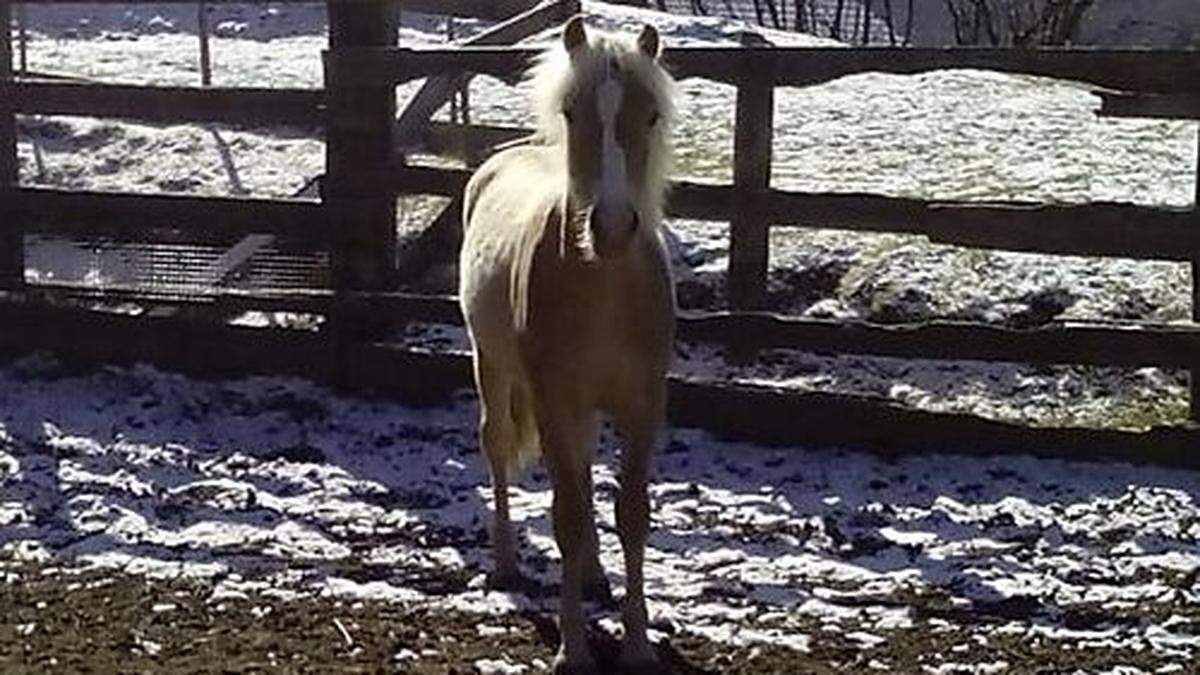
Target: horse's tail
x=527 y=446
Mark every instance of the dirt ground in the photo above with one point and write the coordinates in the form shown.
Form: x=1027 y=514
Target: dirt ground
x=70 y=621
x=150 y=522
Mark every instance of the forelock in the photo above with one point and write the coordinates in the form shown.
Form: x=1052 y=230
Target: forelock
x=556 y=75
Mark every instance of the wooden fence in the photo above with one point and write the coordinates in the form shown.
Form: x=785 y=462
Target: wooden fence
x=356 y=218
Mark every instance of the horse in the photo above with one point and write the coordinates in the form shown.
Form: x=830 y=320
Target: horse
x=565 y=287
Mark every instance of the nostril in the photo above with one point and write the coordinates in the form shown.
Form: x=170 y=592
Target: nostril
x=635 y=221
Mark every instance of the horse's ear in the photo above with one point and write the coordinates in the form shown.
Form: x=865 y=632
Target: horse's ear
x=649 y=42
x=574 y=34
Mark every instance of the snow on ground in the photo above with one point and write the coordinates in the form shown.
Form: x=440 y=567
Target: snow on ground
x=278 y=487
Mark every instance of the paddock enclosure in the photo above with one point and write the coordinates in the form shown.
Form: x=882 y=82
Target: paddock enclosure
x=336 y=257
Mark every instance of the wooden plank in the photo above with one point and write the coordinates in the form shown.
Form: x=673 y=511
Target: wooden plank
x=424 y=180
x=397 y=66
x=205 y=50
x=1133 y=70
x=55 y=77
x=1153 y=106
x=23 y=38
x=12 y=245
x=749 y=252
x=443 y=138
x=1137 y=70
x=1095 y=229
x=438 y=90
x=8 y=137
x=479 y=9
x=174 y=2
x=235 y=258
x=1056 y=343
x=786 y=418
x=61 y=211
x=1098 y=229
x=768 y=416
x=359 y=145
x=243 y=106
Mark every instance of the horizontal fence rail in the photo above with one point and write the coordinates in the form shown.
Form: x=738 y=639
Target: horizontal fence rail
x=181 y=2
x=1096 y=229
x=757 y=414
x=94 y=213
x=1055 y=343
x=167 y=104
x=482 y=9
x=1155 y=106
x=1133 y=70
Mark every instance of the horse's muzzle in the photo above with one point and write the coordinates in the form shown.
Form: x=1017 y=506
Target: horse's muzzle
x=612 y=229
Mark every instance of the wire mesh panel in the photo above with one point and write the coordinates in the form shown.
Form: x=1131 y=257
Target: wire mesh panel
x=173 y=271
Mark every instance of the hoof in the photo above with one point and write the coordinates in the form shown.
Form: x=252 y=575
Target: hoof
x=600 y=592
x=509 y=582
x=580 y=666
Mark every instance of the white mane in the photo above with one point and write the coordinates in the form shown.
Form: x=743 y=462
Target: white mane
x=556 y=73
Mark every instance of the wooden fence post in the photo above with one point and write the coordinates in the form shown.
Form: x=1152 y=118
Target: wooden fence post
x=205 y=53
x=12 y=241
x=749 y=230
x=358 y=149
x=23 y=37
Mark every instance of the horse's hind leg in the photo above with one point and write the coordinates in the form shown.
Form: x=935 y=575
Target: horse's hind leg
x=638 y=422
x=498 y=436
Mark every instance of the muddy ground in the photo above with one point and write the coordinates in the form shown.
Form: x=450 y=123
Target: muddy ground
x=154 y=523
x=65 y=621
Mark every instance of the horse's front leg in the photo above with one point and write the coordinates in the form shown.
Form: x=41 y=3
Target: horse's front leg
x=595 y=583
x=568 y=462
x=639 y=423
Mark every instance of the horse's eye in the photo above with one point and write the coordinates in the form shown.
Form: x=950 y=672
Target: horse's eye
x=654 y=118
x=569 y=115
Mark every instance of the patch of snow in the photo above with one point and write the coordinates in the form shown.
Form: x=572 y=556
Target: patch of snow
x=971 y=668
x=499 y=667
